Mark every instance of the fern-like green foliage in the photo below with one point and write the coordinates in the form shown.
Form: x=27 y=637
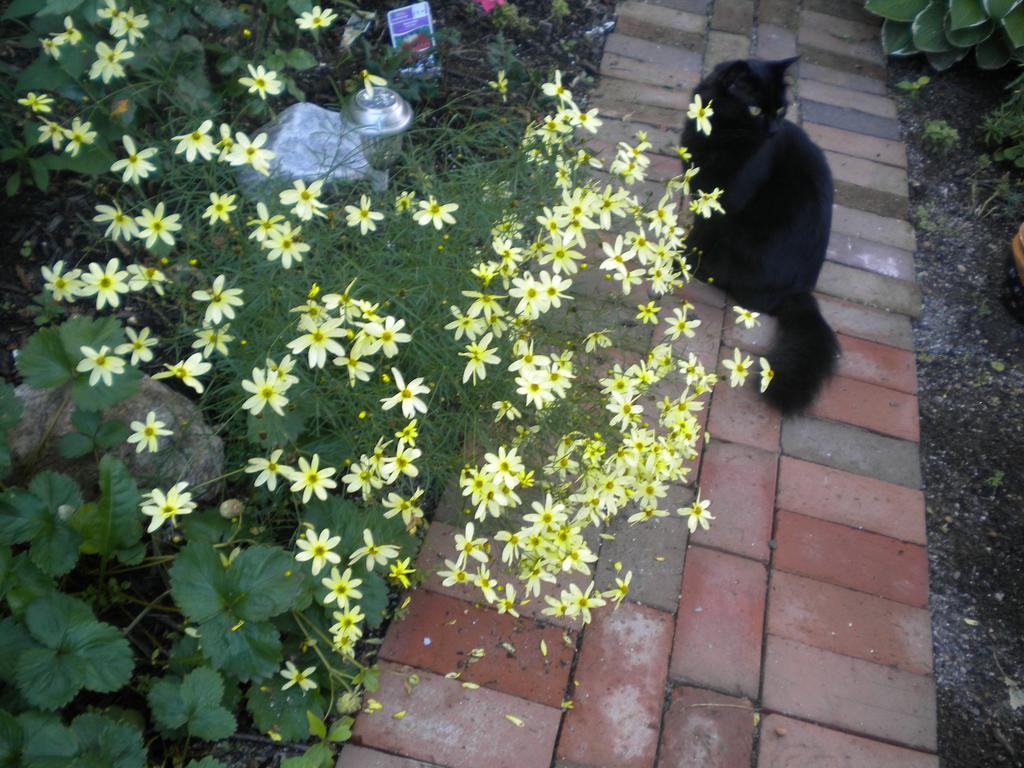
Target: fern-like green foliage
x=946 y=31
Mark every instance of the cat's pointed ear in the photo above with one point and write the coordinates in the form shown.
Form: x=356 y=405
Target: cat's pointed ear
x=779 y=67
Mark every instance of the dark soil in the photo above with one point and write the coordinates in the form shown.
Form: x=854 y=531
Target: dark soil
x=971 y=371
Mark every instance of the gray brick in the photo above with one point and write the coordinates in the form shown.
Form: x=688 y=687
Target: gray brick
x=654 y=550
x=881 y=229
x=872 y=148
x=851 y=120
x=782 y=13
x=826 y=57
x=852 y=449
x=874 y=257
x=725 y=46
x=868 y=288
x=647 y=52
x=867 y=323
x=690 y=6
x=662 y=118
x=846 y=9
x=871 y=200
x=839 y=96
x=843 y=79
x=612 y=89
x=733 y=16
x=613 y=65
x=661 y=25
x=775 y=42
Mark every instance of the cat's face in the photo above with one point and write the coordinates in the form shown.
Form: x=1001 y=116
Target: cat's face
x=747 y=96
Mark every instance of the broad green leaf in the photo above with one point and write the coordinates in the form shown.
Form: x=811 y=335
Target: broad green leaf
x=199 y=582
x=970 y=36
x=14 y=639
x=111 y=523
x=11 y=739
x=19 y=8
x=999 y=8
x=43 y=363
x=22 y=516
x=104 y=742
x=928 y=28
x=55 y=490
x=94 y=160
x=1013 y=24
x=48 y=680
x=317 y=756
x=897 y=38
x=74 y=445
x=76 y=651
x=341 y=730
x=44 y=72
x=24 y=583
x=897 y=10
x=317 y=728
x=194 y=704
x=375 y=598
x=48 y=743
x=286 y=712
x=107 y=655
x=10 y=407
x=103 y=396
x=58 y=7
x=300 y=59
x=247 y=650
x=34 y=518
x=966 y=13
x=92 y=332
x=112 y=433
x=994 y=53
x=263 y=583
x=206 y=527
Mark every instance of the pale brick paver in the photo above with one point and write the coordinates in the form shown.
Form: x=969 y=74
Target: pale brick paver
x=806 y=601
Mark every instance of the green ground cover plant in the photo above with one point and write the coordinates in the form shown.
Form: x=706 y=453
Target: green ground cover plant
x=354 y=349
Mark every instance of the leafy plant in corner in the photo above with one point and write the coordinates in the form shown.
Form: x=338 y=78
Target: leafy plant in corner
x=946 y=31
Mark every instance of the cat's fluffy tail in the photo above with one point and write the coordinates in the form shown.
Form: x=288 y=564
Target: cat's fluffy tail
x=803 y=355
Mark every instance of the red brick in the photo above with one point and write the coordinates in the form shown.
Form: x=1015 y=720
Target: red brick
x=757 y=340
x=439 y=633
x=642 y=95
x=703 y=729
x=620 y=673
x=853 y=500
x=788 y=743
x=850 y=558
x=740 y=483
x=733 y=16
x=742 y=415
x=851 y=623
x=660 y=25
x=869 y=406
x=839 y=36
x=858 y=144
x=867 y=323
x=718 y=627
x=702 y=293
x=439 y=545
x=878 y=364
x=353 y=756
x=454 y=726
x=848 y=693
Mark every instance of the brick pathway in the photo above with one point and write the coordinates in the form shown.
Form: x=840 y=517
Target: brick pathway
x=795 y=632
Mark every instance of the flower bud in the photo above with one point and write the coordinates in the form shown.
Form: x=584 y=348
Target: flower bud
x=231 y=508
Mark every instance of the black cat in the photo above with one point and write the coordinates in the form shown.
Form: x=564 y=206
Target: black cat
x=767 y=249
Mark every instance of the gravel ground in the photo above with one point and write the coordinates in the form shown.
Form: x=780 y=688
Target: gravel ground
x=969 y=352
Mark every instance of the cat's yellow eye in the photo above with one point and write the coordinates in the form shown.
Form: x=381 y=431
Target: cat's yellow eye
x=754 y=111
x=780 y=110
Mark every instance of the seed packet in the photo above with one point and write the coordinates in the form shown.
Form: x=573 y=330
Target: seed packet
x=412 y=30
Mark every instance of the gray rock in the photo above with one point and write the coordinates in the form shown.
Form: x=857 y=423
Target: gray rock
x=310 y=143
x=193 y=453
